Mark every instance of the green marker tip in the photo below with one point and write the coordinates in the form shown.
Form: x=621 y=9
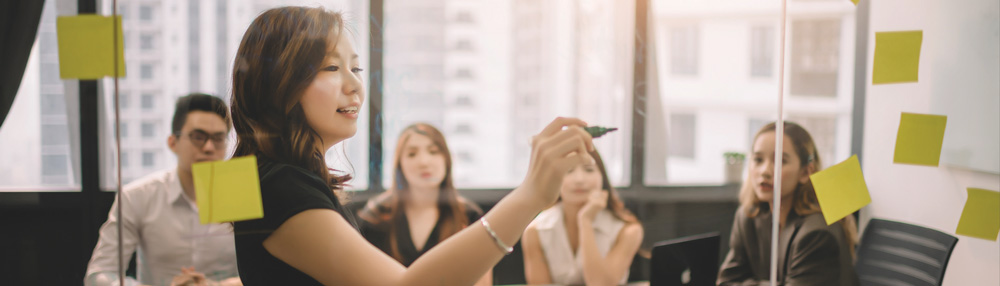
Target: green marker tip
x=598 y=131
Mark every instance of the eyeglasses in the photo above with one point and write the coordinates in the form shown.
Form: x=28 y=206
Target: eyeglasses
x=198 y=138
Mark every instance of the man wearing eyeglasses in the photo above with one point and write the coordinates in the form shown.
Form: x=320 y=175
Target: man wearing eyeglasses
x=160 y=214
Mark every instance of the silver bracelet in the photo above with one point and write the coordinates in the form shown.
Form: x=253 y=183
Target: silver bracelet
x=503 y=247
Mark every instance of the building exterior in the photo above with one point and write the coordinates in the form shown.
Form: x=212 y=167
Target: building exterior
x=717 y=70
x=173 y=48
x=490 y=74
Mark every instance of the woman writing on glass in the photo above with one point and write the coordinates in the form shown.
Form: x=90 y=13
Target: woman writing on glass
x=297 y=91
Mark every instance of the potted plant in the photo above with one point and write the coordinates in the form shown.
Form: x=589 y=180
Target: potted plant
x=734 y=167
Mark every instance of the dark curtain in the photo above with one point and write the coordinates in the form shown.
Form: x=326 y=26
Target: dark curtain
x=18 y=27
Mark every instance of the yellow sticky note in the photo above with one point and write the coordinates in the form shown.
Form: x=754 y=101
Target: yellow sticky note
x=981 y=216
x=841 y=189
x=85 y=50
x=855 y=2
x=228 y=190
x=919 y=139
x=897 y=56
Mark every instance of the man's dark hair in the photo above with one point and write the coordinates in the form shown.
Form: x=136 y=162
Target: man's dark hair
x=198 y=102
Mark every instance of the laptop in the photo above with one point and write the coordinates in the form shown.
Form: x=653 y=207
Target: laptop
x=691 y=260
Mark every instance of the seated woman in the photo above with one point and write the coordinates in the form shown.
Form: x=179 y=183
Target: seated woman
x=422 y=208
x=586 y=238
x=811 y=252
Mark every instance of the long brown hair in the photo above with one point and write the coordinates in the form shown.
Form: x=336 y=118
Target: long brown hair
x=614 y=202
x=385 y=210
x=804 y=201
x=280 y=55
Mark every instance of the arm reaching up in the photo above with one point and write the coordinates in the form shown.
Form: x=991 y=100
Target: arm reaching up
x=323 y=245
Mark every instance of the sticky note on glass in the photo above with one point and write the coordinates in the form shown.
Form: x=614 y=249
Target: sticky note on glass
x=85 y=50
x=227 y=190
x=981 y=216
x=841 y=189
x=897 y=56
x=919 y=139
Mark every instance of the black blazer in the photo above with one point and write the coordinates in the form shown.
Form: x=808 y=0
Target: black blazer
x=810 y=253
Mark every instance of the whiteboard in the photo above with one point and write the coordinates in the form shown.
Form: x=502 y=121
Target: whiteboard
x=965 y=80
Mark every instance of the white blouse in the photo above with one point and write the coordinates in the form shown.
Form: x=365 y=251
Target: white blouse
x=565 y=267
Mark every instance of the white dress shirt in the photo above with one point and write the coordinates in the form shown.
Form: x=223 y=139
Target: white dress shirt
x=162 y=222
x=565 y=267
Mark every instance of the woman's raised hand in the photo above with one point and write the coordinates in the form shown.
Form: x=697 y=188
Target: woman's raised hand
x=562 y=145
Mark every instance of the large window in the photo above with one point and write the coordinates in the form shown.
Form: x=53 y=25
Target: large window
x=198 y=57
x=717 y=82
x=490 y=74
x=37 y=139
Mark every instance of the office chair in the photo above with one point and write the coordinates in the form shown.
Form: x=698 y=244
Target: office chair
x=895 y=253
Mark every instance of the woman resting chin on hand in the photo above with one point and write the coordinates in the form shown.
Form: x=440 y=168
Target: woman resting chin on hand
x=587 y=238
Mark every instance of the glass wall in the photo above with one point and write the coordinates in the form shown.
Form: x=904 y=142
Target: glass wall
x=490 y=74
x=717 y=79
x=39 y=139
x=173 y=48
